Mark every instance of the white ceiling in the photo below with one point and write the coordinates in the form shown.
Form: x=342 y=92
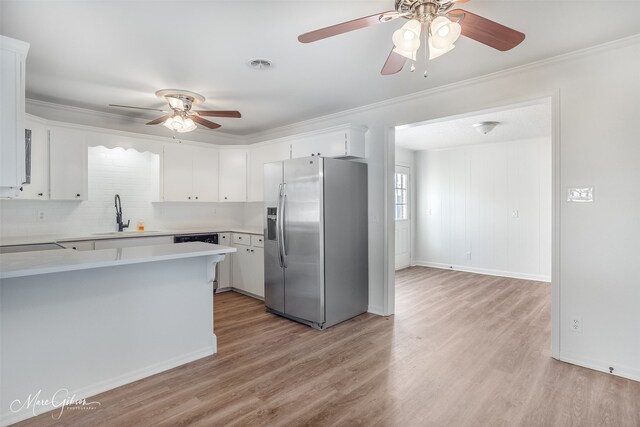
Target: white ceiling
x=92 y=53
x=532 y=121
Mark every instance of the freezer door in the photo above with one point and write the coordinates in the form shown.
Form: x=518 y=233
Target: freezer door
x=303 y=241
x=273 y=270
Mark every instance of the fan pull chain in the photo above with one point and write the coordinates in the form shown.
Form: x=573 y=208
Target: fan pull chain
x=425 y=52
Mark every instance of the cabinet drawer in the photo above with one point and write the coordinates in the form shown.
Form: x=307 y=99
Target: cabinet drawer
x=81 y=245
x=224 y=239
x=241 y=239
x=257 y=241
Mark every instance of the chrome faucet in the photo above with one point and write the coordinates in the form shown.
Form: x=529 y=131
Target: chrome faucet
x=121 y=225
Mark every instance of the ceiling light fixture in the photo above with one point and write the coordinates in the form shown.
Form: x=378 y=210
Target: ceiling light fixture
x=485 y=127
x=407 y=39
x=180 y=124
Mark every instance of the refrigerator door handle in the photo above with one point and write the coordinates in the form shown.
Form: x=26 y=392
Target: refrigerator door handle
x=278 y=232
x=283 y=243
x=283 y=230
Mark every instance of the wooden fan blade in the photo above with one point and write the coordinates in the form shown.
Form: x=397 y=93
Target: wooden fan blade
x=204 y=122
x=345 y=27
x=159 y=120
x=230 y=114
x=393 y=64
x=487 y=31
x=138 y=108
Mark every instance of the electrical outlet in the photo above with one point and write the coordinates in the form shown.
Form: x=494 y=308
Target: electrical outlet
x=40 y=215
x=576 y=325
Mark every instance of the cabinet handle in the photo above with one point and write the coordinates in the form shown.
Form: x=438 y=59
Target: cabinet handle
x=78 y=195
x=189 y=197
x=196 y=197
x=251 y=250
x=225 y=197
x=21 y=188
x=319 y=154
x=40 y=194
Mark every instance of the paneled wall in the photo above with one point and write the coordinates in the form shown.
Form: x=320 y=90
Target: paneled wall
x=486 y=208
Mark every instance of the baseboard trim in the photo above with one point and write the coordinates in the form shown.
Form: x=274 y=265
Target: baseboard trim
x=249 y=294
x=602 y=366
x=487 y=271
x=109 y=384
x=374 y=309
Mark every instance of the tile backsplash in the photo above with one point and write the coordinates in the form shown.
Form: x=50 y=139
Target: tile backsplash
x=133 y=175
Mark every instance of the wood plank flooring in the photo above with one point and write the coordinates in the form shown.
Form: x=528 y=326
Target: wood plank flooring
x=462 y=350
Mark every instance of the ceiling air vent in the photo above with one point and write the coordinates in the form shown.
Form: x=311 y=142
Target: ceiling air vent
x=260 y=64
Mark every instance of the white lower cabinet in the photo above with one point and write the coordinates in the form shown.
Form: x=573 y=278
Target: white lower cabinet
x=248 y=267
x=80 y=245
x=224 y=267
x=128 y=242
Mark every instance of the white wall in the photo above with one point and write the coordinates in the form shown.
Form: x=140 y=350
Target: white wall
x=486 y=208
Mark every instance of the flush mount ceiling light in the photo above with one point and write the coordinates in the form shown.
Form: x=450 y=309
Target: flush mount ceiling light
x=439 y=24
x=485 y=127
x=181 y=117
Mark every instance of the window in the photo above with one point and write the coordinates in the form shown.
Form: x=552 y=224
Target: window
x=401 y=196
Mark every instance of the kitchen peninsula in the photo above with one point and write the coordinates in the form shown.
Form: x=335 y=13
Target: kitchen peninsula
x=88 y=321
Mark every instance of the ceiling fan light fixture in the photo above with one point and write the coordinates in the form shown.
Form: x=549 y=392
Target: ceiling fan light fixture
x=444 y=32
x=434 y=52
x=188 y=126
x=407 y=38
x=407 y=54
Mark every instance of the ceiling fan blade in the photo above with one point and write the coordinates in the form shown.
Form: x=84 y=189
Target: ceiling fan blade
x=138 y=108
x=230 y=114
x=394 y=64
x=204 y=122
x=159 y=120
x=487 y=31
x=345 y=27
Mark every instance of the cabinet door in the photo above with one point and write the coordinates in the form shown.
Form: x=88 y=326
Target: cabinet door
x=205 y=174
x=224 y=267
x=38 y=189
x=132 y=241
x=67 y=164
x=241 y=268
x=331 y=144
x=177 y=173
x=256 y=286
x=258 y=157
x=233 y=176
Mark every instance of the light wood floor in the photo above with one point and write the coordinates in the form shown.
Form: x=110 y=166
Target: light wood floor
x=462 y=350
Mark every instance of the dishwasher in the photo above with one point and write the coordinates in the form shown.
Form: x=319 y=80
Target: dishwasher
x=206 y=238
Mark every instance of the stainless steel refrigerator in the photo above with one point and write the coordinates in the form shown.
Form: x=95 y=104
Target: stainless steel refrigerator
x=316 y=250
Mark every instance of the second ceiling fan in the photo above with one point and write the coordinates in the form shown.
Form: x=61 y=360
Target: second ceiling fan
x=436 y=21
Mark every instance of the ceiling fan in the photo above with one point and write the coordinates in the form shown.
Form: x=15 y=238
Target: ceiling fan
x=181 y=117
x=436 y=20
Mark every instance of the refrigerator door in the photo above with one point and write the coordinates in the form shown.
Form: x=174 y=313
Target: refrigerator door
x=303 y=241
x=273 y=270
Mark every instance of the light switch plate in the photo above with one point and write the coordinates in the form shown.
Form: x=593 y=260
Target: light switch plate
x=580 y=194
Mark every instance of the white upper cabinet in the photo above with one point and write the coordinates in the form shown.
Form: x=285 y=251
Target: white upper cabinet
x=233 y=175
x=67 y=164
x=13 y=54
x=205 y=174
x=345 y=142
x=190 y=173
x=38 y=187
x=258 y=157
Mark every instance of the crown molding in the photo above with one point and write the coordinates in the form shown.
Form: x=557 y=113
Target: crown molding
x=206 y=136
x=279 y=132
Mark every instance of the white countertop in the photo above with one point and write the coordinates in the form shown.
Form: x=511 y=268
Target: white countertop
x=53 y=238
x=58 y=260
